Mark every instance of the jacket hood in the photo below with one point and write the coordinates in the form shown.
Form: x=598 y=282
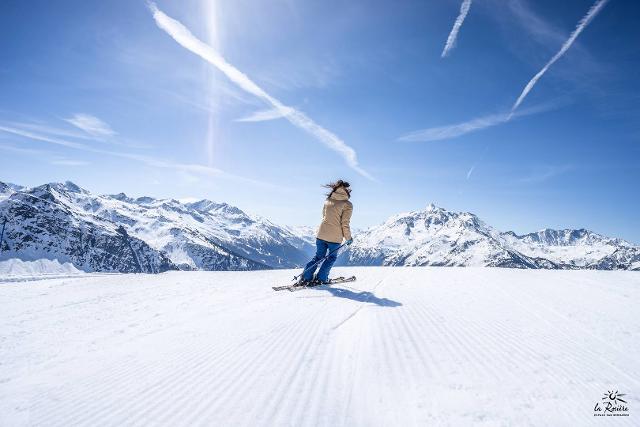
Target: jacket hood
x=340 y=194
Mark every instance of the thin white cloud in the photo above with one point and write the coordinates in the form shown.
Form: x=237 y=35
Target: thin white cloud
x=50 y=130
x=593 y=11
x=264 y=115
x=146 y=160
x=29 y=151
x=544 y=173
x=40 y=137
x=91 y=125
x=187 y=40
x=538 y=28
x=453 y=35
x=439 y=133
x=470 y=172
x=69 y=162
x=455 y=130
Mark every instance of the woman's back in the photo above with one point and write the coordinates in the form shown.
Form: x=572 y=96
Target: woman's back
x=336 y=216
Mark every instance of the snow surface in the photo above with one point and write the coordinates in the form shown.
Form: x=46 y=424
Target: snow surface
x=401 y=346
x=15 y=267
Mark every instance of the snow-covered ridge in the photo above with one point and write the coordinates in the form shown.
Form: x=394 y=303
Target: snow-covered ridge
x=117 y=233
x=64 y=222
x=438 y=237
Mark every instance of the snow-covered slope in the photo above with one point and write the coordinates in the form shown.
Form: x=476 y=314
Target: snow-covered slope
x=439 y=237
x=197 y=235
x=7 y=189
x=66 y=223
x=435 y=237
x=398 y=347
x=45 y=223
x=13 y=268
x=305 y=237
x=582 y=248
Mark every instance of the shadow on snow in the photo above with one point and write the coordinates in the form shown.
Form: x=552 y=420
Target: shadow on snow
x=363 y=296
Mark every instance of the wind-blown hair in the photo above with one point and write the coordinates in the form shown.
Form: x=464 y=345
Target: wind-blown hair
x=337 y=184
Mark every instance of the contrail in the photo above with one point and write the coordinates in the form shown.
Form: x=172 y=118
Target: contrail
x=453 y=35
x=458 y=129
x=261 y=116
x=187 y=40
x=470 y=172
x=595 y=9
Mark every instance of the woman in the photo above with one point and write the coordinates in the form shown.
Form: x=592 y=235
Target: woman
x=334 y=228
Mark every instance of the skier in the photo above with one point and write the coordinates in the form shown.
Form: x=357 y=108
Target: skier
x=334 y=228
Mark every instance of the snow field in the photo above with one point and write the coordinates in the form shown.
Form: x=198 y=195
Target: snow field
x=401 y=346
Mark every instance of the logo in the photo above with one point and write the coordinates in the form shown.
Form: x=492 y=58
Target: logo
x=613 y=404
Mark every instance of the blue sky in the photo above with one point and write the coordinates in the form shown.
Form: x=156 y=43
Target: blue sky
x=103 y=94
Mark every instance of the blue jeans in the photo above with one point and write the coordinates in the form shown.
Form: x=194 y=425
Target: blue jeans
x=322 y=248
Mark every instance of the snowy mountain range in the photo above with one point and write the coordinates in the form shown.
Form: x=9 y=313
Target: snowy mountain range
x=117 y=233
x=437 y=237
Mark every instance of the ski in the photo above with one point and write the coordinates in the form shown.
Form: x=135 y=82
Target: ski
x=298 y=286
x=331 y=282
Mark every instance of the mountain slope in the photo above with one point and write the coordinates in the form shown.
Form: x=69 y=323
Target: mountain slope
x=435 y=237
x=198 y=235
x=581 y=248
x=117 y=233
x=44 y=223
x=400 y=346
x=439 y=237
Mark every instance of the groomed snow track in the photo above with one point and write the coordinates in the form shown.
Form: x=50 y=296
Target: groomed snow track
x=401 y=346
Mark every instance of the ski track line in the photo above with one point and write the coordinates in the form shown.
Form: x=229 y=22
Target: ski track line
x=296 y=379
x=323 y=379
x=196 y=381
x=256 y=337
x=424 y=328
x=197 y=406
x=464 y=339
x=116 y=379
x=353 y=373
x=325 y=342
x=504 y=336
x=176 y=373
x=363 y=367
x=451 y=349
x=146 y=334
x=263 y=356
x=108 y=384
x=285 y=345
x=493 y=344
x=328 y=379
x=450 y=342
x=567 y=320
x=119 y=376
x=562 y=377
x=482 y=349
x=357 y=366
x=389 y=370
x=360 y=307
x=571 y=338
x=184 y=385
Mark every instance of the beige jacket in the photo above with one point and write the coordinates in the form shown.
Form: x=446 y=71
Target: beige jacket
x=336 y=215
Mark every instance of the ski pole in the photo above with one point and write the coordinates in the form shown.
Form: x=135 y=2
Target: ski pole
x=318 y=261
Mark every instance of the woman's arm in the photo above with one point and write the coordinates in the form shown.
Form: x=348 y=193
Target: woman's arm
x=345 y=220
